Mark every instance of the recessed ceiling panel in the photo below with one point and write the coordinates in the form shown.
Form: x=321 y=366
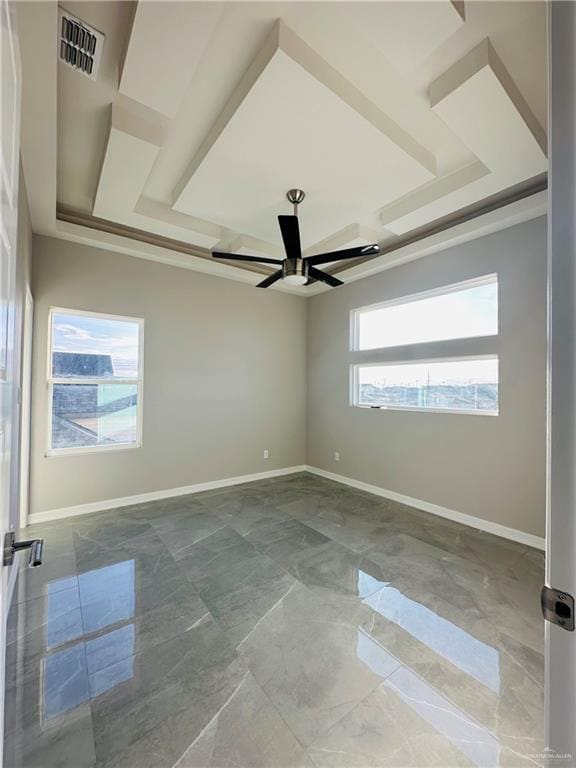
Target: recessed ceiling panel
x=299 y=124
x=167 y=42
x=407 y=32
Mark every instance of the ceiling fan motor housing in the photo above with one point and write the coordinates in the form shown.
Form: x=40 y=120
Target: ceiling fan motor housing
x=295 y=271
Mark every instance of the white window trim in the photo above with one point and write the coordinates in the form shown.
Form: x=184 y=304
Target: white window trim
x=355 y=388
x=428 y=294
x=51 y=381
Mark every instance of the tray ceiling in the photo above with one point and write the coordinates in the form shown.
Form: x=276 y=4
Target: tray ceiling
x=390 y=115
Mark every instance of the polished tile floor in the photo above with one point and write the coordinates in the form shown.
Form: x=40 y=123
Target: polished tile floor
x=289 y=622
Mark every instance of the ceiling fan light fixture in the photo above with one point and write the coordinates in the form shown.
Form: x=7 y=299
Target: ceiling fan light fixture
x=295 y=279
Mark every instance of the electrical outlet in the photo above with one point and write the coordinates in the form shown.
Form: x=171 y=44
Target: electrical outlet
x=266 y=453
x=336 y=455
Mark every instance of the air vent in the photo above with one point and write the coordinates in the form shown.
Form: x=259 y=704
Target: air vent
x=80 y=45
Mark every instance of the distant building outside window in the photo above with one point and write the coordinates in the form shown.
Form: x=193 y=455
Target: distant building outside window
x=94 y=381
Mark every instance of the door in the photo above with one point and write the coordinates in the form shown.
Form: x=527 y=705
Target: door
x=561 y=511
x=9 y=173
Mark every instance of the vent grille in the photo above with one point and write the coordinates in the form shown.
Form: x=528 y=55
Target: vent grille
x=80 y=45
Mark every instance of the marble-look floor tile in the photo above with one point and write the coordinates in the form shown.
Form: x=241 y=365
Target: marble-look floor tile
x=147 y=710
x=493 y=678
x=49 y=690
x=230 y=501
x=244 y=626
x=150 y=555
x=107 y=531
x=180 y=612
x=57 y=616
x=405 y=722
x=130 y=598
x=313 y=664
x=338 y=507
x=248 y=731
x=283 y=539
x=225 y=556
x=357 y=538
x=54 y=575
x=147 y=548
x=184 y=505
x=180 y=531
x=240 y=606
x=67 y=742
x=336 y=575
x=245 y=515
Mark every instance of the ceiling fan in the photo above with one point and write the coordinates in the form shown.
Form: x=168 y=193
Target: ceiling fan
x=296 y=269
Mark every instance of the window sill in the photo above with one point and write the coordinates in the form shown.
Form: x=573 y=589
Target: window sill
x=55 y=452
x=415 y=409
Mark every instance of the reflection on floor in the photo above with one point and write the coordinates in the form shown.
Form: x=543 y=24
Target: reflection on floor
x=289 y=622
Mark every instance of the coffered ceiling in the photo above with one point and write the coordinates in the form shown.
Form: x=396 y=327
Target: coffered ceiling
x=396 y=118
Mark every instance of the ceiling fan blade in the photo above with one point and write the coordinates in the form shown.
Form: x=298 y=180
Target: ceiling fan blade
x=348 y=253
x=291 y=236
x=324 y=277
x=270 y=279
x=241 y=257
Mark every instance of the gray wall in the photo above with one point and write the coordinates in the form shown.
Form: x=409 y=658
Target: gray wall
x=224 y=375
x=490 y=467
x=203 y=332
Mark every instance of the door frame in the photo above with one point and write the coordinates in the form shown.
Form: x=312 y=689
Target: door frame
x=26 y=407
x=560 y=649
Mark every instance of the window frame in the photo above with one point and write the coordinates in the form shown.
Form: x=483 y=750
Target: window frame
x=444 y=290
x=52 y=380
x=355 y=388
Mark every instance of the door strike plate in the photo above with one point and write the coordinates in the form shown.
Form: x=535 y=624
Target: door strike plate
x=558 y=607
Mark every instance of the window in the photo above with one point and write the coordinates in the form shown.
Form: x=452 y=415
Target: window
x=459 y=311
x=468 y=385
x=94 y=381
x=461 y=378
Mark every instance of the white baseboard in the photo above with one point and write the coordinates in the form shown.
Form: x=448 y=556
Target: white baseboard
x=142 y=498
x=459 y=517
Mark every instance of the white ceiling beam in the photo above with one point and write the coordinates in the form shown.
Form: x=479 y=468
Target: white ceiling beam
x=134 y=142
x=247 y=245
x=478 y=101
x=348 y=237
x=132 y=148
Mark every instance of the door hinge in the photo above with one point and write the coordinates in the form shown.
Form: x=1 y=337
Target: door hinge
x=558 y=607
